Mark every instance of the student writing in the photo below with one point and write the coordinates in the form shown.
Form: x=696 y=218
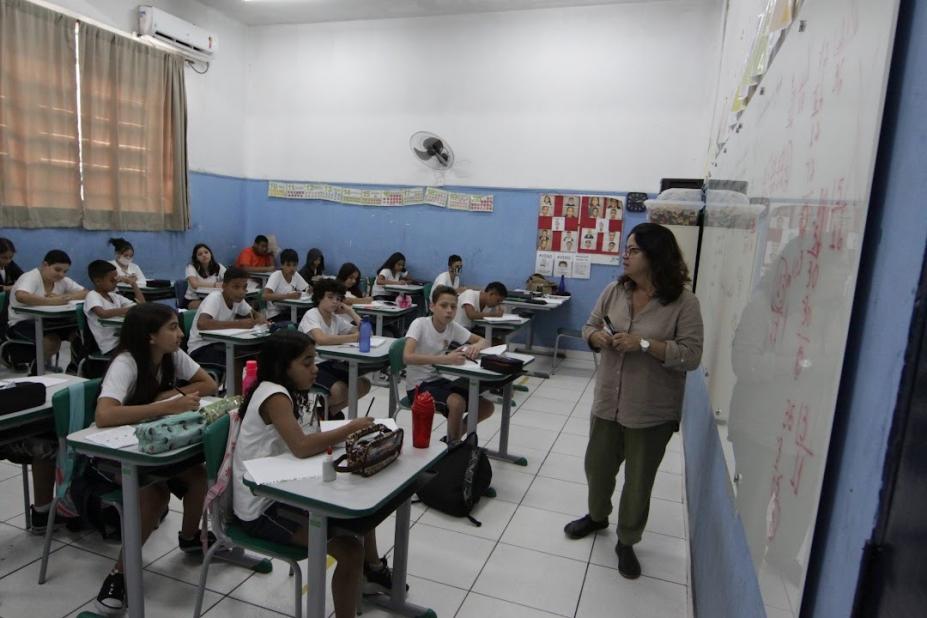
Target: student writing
x=103 y=302
x=283 y=284
x=475 y=305
x=392 y=272
x=350 y=276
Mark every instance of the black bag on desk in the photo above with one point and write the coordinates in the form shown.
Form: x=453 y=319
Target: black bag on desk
x=501 y=364
x=459 y=480
x=159 y=283
x=20 y=396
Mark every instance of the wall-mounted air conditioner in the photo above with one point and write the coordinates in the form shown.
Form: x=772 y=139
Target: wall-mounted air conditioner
x=192 y=41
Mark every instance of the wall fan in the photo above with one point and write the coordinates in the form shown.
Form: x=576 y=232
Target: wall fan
x=431 y=150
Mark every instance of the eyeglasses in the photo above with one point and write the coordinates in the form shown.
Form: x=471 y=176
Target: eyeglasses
x=629 y=251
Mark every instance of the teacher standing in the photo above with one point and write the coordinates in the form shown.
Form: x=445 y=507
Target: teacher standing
x=648 y=328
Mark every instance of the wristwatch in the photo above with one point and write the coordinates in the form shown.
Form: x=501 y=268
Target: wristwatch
x=645 y=345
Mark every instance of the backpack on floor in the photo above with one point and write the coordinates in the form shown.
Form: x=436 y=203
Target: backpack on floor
x=458 y=480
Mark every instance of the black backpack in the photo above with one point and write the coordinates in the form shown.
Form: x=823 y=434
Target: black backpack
x=459 y=480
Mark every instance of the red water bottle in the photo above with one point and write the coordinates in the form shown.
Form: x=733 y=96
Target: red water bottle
x=250 y=377
x=423 y=414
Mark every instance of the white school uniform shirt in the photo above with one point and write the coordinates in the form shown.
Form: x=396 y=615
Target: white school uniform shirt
x=340 y=325
x=430 y=342
x=467 y=297
x=279 y=285
x=211 y=279
x=214 y=305
x=258 y=439
x=105 y=336
x=445 y=279
x=31 y=282
x=379 y=290
x=133 y=269
x=122 y=375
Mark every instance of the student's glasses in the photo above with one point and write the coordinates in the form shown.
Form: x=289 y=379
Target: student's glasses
x=629 y=251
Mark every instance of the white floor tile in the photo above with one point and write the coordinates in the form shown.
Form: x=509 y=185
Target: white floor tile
x=545 y=404
x=531 y=578
x=570 y=499
x=672 y=463
x=443 y=599
x=9 y=470
x=223 y=576
x=481 y=606
x=275 y=590
x=560 y=392
x=445 y=556
x=570 y=444
x=11 y=497
x=578 y=425
x=539 y=420
x=509 y=481
x=564 y=467
x=539 y=530
x=775 y=612
x=675 y=443
x=606 y=594
x=232 y=608
x=534 y=456
x=528 y=437
x=493 y=513
x=661 y=556
x=18 y=548
x=161 y=541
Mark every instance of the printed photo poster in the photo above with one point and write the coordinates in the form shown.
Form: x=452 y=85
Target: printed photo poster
x=559 y=222
x=600 y=227
x=563 y=265
x=544 y=263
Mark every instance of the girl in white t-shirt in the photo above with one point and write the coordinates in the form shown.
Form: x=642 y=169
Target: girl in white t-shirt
x=392 y=272
x=276 y=418
x=203 y=271
x=144 y=381
x=127 y=271
x=350 y=276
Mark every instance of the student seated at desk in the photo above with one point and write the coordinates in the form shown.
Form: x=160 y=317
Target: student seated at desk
x=285 y=283
x=127 y=271
x=143 y=382
x=331 y=322
x=47 y=285
x=451 y=278
x=475 y=305
x=349 y=275
x=427 y=343
x=203 y=271
x=276 y=419
x=103 y=302
x=225 y=308
x=314 y=266
x=9 y=270
x=392 y=272
x=257 y=257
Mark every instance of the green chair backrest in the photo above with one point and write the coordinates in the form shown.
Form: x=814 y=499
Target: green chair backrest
x=426 y=292
x=61 y=406
x=261 y=303
x=215 y=437
x=396 y=364
x=186 y=322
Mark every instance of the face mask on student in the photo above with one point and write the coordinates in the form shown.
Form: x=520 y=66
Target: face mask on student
x=124 y=261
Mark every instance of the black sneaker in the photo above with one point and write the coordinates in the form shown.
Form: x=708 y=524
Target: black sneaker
x=628 y=565
x=194 y=546
x=584 y=526
x=112 y=598
x=38 y=521
x=378 y=579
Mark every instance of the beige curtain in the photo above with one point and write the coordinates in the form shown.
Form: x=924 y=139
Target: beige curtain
x=134 y=125
x=39 y=160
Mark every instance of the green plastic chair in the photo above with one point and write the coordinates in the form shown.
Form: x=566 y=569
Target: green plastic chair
x=230 y=535
x=61 y=407
x=9 y=343
x=83 y=329
x=426 y=294
x=186 y=323
x=396 y=365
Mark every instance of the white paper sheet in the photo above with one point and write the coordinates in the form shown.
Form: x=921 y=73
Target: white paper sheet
x=46 y=380
x=506 y=317
x=374 y=342
x=286 y=467
x=117 y=437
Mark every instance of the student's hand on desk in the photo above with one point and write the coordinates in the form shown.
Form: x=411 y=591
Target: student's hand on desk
x=456 y=357
x=58 y=299
x=359 y=423
x=260 y=319
x=471 y=352
x=182 y=404
x=293 y=295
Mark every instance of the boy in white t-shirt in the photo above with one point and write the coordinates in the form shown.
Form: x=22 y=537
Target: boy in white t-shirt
x=333 y=322
x=47 y=285
x=451 y=278
x=427 y=343
x=285 y=283
x=225 y=308
x=104 y=302
x=475 y=305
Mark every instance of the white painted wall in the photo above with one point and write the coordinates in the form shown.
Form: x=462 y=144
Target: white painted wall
x=595 y=97
x=215 y=138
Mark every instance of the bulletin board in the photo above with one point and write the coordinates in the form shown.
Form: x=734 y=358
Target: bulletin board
x=576 y=231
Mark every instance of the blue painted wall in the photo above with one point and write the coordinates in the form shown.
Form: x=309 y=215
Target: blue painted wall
x=893 y=251
x=494 y=246
x=216 y=212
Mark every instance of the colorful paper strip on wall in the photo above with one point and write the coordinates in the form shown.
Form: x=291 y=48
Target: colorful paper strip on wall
x=381 y=197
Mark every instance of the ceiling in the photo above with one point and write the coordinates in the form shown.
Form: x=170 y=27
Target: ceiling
x=267 y=12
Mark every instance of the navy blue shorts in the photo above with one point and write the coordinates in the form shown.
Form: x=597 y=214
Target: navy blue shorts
x=63 y=327
x=212 y=354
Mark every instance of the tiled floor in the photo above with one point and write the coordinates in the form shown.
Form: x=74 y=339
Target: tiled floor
x=517 y=564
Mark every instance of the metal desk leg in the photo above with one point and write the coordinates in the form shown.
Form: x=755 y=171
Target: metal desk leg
x=293 y=313
x=132 y=540
x=396 y=601
x=229 y=369
x=39 y=346
x=352 y=389
x=379 y=328
x=318 y=549
x=488 y=332
x=503 y=452
x=26 y=512
x=473 y=405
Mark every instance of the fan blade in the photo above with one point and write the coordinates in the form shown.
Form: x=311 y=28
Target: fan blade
x=421 y=154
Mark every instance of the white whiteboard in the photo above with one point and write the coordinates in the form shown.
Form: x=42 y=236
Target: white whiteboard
x=777 y=298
